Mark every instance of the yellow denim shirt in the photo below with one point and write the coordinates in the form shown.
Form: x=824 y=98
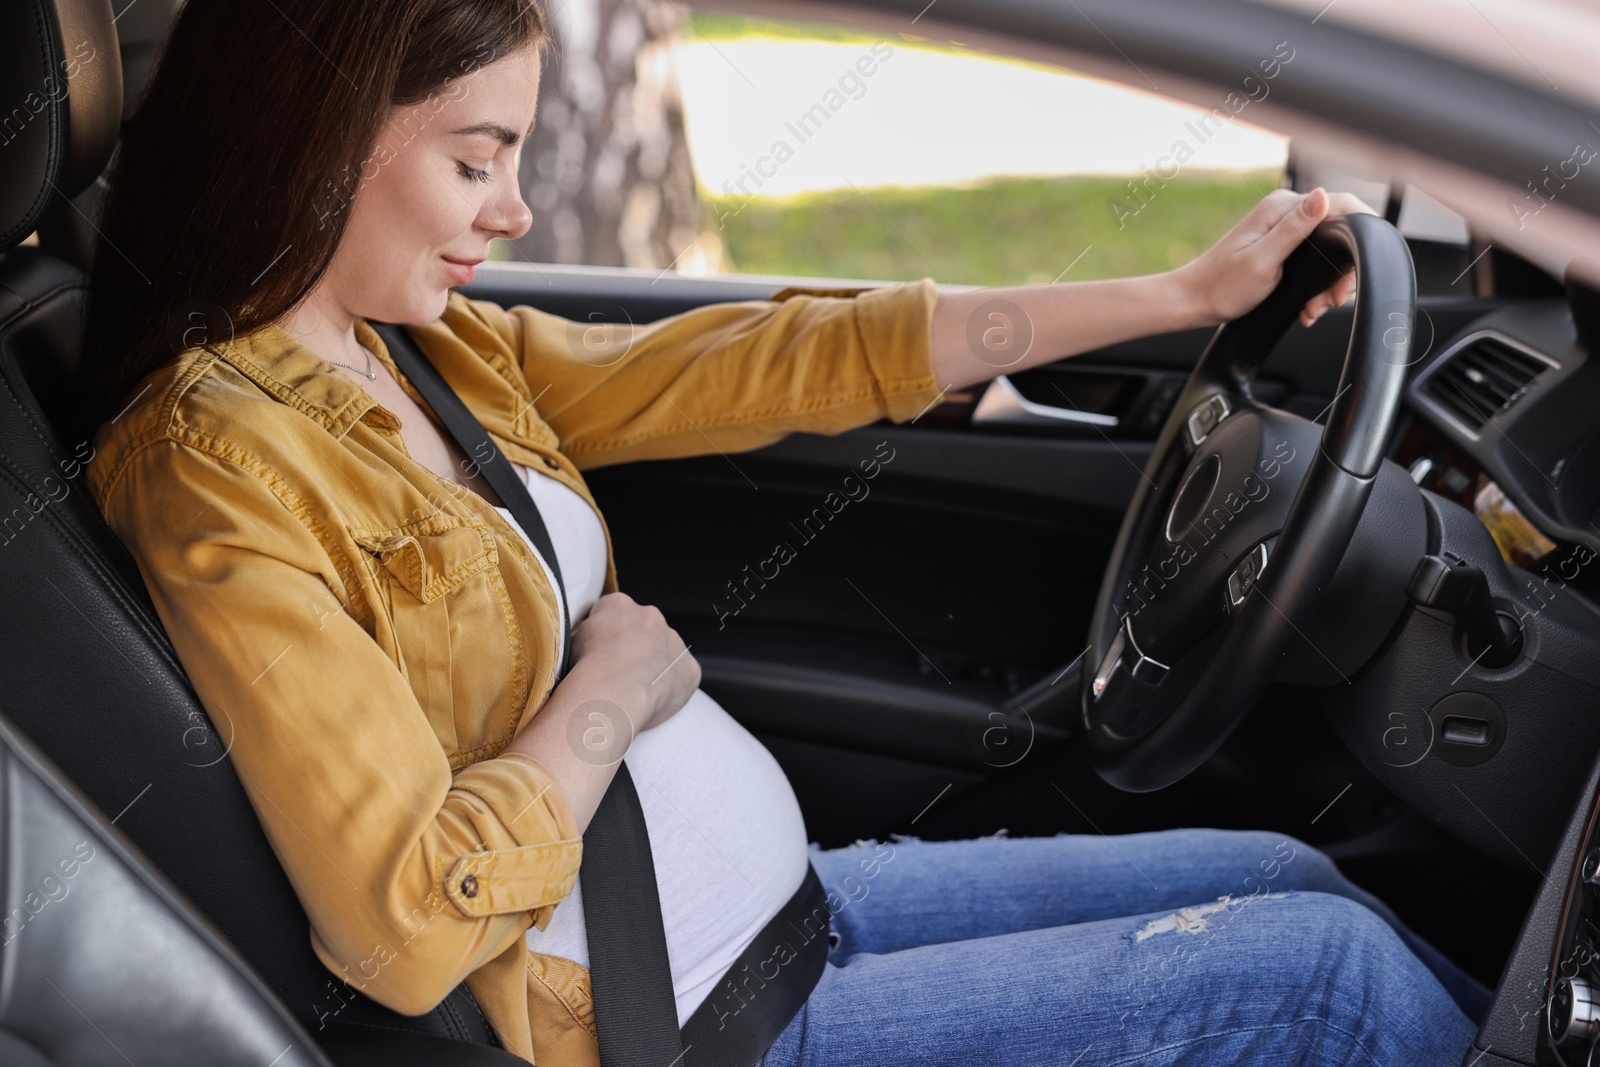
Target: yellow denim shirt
x=367 y=637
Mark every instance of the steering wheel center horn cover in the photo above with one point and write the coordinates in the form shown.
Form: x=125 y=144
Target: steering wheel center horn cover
x=1189 y=627
x=1233 y=498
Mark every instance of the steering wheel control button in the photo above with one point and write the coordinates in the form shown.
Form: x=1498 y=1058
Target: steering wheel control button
x=1207 y=416
x=1246 y=574
x=1574 y=1016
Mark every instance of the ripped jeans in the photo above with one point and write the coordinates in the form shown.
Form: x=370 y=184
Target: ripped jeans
x=1191 y=946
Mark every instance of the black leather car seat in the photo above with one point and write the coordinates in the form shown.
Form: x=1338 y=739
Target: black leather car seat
x=90 y=677
x=104 y=962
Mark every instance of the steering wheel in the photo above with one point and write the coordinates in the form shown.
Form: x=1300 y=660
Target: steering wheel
x=1241 y=517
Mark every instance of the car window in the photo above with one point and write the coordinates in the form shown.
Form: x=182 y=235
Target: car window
x=824 y=151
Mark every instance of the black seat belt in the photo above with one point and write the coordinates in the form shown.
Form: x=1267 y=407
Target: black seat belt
x=636 y=1015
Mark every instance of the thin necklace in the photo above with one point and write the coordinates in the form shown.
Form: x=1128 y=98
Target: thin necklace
x=369 y=372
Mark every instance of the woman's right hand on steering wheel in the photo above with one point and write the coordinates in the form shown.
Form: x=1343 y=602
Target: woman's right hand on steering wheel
x=636 y=648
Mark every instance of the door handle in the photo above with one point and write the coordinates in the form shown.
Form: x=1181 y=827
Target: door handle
x=1003 y=405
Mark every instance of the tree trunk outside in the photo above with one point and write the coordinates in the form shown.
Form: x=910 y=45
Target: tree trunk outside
x=607 y=172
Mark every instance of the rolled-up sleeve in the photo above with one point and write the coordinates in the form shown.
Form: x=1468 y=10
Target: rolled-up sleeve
x=412 y=876
x=726 y=377
x=516 y=875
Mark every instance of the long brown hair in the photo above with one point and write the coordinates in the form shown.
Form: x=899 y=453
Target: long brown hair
x=231 y=186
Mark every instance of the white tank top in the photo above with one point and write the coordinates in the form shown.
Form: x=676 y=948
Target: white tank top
x=726 y=834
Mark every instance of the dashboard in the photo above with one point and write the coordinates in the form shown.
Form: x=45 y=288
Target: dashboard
x=1506 y=422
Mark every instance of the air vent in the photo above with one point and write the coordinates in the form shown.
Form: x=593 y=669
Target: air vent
x=1481 y=379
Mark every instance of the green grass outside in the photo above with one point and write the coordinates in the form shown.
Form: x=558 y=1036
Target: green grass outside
x=1007 y=231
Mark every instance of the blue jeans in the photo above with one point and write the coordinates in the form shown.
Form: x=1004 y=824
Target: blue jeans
x=1192 y=946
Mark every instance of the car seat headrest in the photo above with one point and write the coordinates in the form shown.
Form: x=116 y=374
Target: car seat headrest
x=60 y=105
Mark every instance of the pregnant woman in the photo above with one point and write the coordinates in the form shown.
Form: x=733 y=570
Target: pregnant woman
x=378 y=639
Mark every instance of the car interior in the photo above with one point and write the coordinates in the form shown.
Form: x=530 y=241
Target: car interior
x=943 y=656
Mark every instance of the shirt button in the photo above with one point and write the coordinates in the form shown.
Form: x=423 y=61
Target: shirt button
x=550 y=461
x=469 y=886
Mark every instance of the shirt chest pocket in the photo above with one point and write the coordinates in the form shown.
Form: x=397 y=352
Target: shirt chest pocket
x=453 y=629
